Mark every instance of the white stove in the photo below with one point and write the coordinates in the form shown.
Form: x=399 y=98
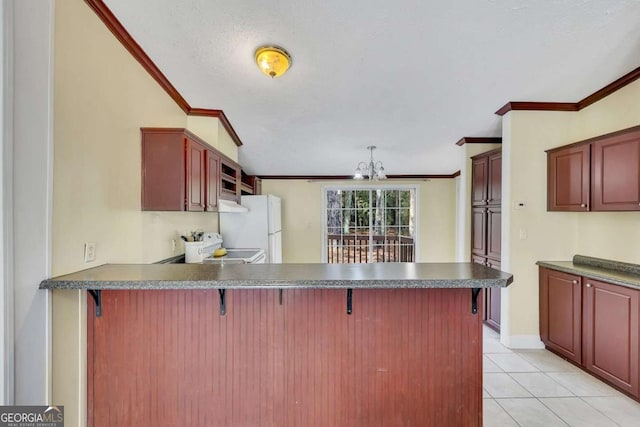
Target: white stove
x=239 y=256
x=202 y=252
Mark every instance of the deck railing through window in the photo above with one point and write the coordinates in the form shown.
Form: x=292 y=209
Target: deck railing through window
x=354 y=248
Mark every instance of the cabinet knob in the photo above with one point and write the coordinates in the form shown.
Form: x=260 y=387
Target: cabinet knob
x=583 y=205
x=588 y=285
x=575 y=282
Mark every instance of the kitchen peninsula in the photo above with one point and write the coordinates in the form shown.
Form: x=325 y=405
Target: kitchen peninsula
x=393 y=344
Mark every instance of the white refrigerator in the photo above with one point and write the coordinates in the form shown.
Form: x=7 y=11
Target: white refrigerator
x=260 y=227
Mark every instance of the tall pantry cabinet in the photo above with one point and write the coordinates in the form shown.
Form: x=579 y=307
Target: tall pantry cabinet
x=486 y=216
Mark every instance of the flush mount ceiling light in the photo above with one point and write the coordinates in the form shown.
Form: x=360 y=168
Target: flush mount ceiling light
x=374 y=170
x=274 y=61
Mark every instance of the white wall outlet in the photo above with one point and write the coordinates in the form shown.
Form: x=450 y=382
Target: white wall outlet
x=523 y=234
x=173 y=245
x=89 y=251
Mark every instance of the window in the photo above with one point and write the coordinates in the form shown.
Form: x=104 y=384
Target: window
x=370 y=225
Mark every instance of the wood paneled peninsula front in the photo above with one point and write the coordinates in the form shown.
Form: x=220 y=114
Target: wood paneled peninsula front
x=284 y=345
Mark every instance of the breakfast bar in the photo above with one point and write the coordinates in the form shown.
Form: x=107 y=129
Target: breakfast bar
x=396 y=344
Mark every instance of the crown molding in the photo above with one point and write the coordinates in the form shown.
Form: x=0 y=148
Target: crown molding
x=609 y=89
x=478 y=140
x=350 y=177
x=219 y=114
x=537 y=106
x=120 y=33
x=573 y=106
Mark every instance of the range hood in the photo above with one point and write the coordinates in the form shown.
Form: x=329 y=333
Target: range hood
x=230 y=206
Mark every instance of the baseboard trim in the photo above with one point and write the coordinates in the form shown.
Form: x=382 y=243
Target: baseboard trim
x=522 y=342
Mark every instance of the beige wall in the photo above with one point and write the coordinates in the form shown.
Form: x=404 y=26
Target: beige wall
x=102 y=97
x=213 y=132
x=302 y=204
x=556 y=235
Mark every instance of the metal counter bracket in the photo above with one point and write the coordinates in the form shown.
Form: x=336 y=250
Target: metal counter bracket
x=97 y=299
x=223 y=307
x=349 y=301
x=474 y=299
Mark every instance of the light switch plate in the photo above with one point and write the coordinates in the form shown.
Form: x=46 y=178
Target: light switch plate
x=89 y=251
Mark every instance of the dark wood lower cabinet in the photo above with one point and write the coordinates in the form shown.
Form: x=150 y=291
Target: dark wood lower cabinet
x=611 y=330
x=493 y=305
x=594 y=324
x=492 y=296
x=561 y=313
x=405 y=357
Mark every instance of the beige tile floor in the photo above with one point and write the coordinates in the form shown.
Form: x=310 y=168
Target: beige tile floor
x=530 y=388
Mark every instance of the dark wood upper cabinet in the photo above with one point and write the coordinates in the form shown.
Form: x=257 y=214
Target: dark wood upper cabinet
x=610 y=333
x=212 y=180
x=616 y=173
x=568 y=172
x=182 y=172
x=599 y=174
x=494 y=235
x=479 y=231
x=561 y=313
x=479 y=177
x=494 y=181
x=230 y=180
x=163 y=170
x=195 y=160
x=250 y=185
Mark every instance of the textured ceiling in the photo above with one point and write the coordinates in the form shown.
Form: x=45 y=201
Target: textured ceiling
x=411 y=77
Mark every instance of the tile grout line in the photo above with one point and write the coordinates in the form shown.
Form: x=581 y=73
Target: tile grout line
x=546 y=373
x=598 y=410
x=507 y=412
x=580 y=398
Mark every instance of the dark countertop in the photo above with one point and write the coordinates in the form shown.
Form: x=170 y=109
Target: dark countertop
x=256 y=276
x=618 y=273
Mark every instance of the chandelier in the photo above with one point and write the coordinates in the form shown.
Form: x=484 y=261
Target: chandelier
x=373 y=170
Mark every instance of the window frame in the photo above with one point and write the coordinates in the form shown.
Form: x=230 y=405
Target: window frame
x=370 y=187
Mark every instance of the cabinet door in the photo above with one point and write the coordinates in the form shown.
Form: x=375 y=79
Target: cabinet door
x=212 y=179
x=494 y=188
x=163 y=176
x=611 y=333
x=494 y=296
x=479 y=259
x=616 y=173
x=195 y=160
x=479 y=231
x=479 y=177
x=568 y=179
x=494 y=220
x=560 y=313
